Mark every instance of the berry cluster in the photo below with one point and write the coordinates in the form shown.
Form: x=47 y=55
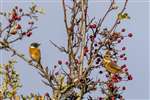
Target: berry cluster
x=15 y=29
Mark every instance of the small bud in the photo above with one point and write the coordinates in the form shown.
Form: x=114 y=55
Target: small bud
x=123 y=30
x=101 y=72
x=123 y=48
x=59 y=62
x=100 y=98
x=126 y=69
x=130 y=77
x=16 y=7
x=122 y=37
x=95 y=44
x=57 y=73
x=119 y=41
x=124 y=88
x=20 y=10
x=121 y=56
x=123 y=66
x=125 y=58
x=55 y=66
x=120 y=78
x=130 y=35
x=66 y=62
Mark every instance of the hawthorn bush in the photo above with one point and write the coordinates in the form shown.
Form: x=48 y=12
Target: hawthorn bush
x=90 y=49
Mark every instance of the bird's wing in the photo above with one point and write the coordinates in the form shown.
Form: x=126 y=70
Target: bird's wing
x=111 y=66
x=115 y=67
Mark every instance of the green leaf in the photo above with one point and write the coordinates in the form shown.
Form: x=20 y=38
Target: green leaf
x=123 y=16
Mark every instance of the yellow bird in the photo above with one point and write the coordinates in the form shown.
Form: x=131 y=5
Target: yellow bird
x=35 y=52
x=110 y=65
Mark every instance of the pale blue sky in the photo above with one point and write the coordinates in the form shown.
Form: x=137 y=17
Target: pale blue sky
x=51 y=26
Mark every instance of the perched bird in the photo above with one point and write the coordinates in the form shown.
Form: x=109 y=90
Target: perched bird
x=35 y=52
x=110 y=65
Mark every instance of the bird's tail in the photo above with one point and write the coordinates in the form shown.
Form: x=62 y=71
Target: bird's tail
x=39 y=65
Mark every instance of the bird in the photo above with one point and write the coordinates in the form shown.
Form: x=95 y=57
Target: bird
x=110 y=65
x=35 y=52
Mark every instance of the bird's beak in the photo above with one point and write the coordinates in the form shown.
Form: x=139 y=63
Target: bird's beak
x=38 y=44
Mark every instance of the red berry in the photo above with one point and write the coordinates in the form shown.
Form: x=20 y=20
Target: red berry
x=121 y=98
x=115 y=80
x=47 y=94
x=112 y=98
x=107 y=76
x=130 y=77
x=95 y=44
x=125 y=58
x=92 y=26
x=126 y=69
x=123 y=66
x=121 y=56
x=100 y=98
x=16 y=7
x=120 y=78
x=56 y=73
x=123 y=30
x=66 y=63
x=13 y=17
x=123 y=48
x=119 y=41
x=114 y=62
x=109 y=85
x=29 y=34
x=20 y=10
x=101 y=72
x=86 y=49
x=122 y=37
x=124 y=88
x=98 y=59
x=59 y=62
x=130 y=35
x=17 y=18
x=24 y=33
x=55 y=66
